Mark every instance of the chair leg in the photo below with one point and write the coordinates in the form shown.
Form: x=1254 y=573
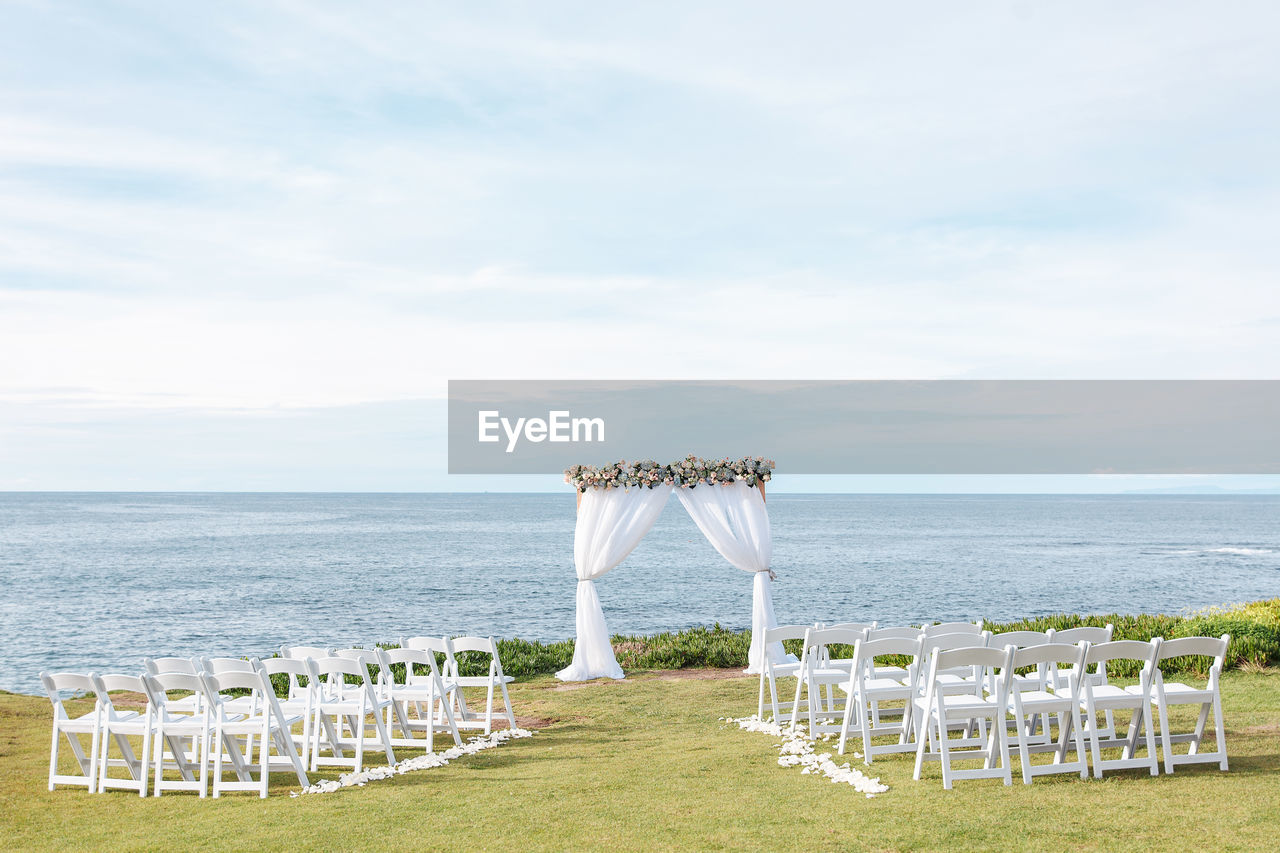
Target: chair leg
x=1167 y=742
x=1199 y=730
x=264 y=758
x=1220 y=731
x=922 y=738
x=1023 y=753
x=488 y=709
x=866 y=731
x=217 y=762
x=142 y=761
x=944 y=751
x=506 y=703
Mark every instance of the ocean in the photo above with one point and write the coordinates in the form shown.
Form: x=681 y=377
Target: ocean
x=97 y=581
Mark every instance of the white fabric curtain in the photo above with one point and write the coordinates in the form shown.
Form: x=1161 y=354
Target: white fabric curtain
x=611 y=523
x=734 y=519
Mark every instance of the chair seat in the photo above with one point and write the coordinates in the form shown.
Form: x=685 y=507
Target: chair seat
x=479 y=680
x=786 y=670
x=80 y=725
x=895 y=672
x=1178 y=693
x=877 y=688
x=417 y=693
x=964 y=702
x=1039 y=699
x=253 y=725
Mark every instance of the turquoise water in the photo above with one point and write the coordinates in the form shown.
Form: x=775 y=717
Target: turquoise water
x=97 y=581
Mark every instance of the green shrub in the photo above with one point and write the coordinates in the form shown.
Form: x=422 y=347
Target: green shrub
x=1254 y=630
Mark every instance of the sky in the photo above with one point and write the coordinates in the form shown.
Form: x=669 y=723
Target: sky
x=244 y=246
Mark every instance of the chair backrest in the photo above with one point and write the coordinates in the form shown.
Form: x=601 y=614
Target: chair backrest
x=869 y=650
x=971 y=656
x=952 y=628
x=1086 y=633
x=369 y=656
x=255 y=681
x=1211 y=647
x=105 y=685
x=819 y=638
x=57 y=683
x=332 y=673
x=171 y=664
x=856 y=626
x=967 y=640
x=217 y=666
x=296 y=667
x=1019 y=639
x=1048 y=654
x=435 y=645
x=306 y=651
x=409 y=658
x=477 y=645
x=785 y=632
x=484 y=645
x=159 y=685
x=894 y=633
x=1123 y=650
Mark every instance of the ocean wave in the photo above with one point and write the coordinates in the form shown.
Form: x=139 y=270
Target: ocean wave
x=1239 y=552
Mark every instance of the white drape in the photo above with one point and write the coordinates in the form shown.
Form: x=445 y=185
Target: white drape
x=734 y=519
x=611 y=522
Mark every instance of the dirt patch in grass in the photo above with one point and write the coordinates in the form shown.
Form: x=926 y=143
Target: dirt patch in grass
x=659 y=675
x=701 y=674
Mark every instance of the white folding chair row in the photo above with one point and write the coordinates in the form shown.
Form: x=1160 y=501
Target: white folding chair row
x=495 y=679
x=169 y=722
x=1076 y=665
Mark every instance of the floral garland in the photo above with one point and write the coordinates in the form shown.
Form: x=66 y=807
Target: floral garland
x=685 y=473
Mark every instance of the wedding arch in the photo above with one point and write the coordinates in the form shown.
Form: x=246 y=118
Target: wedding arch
x=619 y=503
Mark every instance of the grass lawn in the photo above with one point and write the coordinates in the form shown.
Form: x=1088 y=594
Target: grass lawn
x=644 y=764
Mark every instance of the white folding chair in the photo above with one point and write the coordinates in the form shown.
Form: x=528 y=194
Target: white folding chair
x=938 y=712
x=893 y=633
x=951 y=680
x=1094 y=636
x=845 y=663
x=495 y=678
x=866 y=690
x=119 y=726
x=247 y=705
x=1108 y=698
x=175 y=725
x=815 y=677
x=1023 y=640
x=425 y=692
x=770 y=672
x=302 y=653
x=1027 y=704
x=1170 y=693
x=56 y=684
x=267 y=723
x=355 y=705
x=189 y=704
x=301 y=698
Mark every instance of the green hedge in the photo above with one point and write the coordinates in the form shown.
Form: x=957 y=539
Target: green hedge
x=1254 y=630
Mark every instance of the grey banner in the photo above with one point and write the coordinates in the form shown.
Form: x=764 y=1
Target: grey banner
x=872 y=427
